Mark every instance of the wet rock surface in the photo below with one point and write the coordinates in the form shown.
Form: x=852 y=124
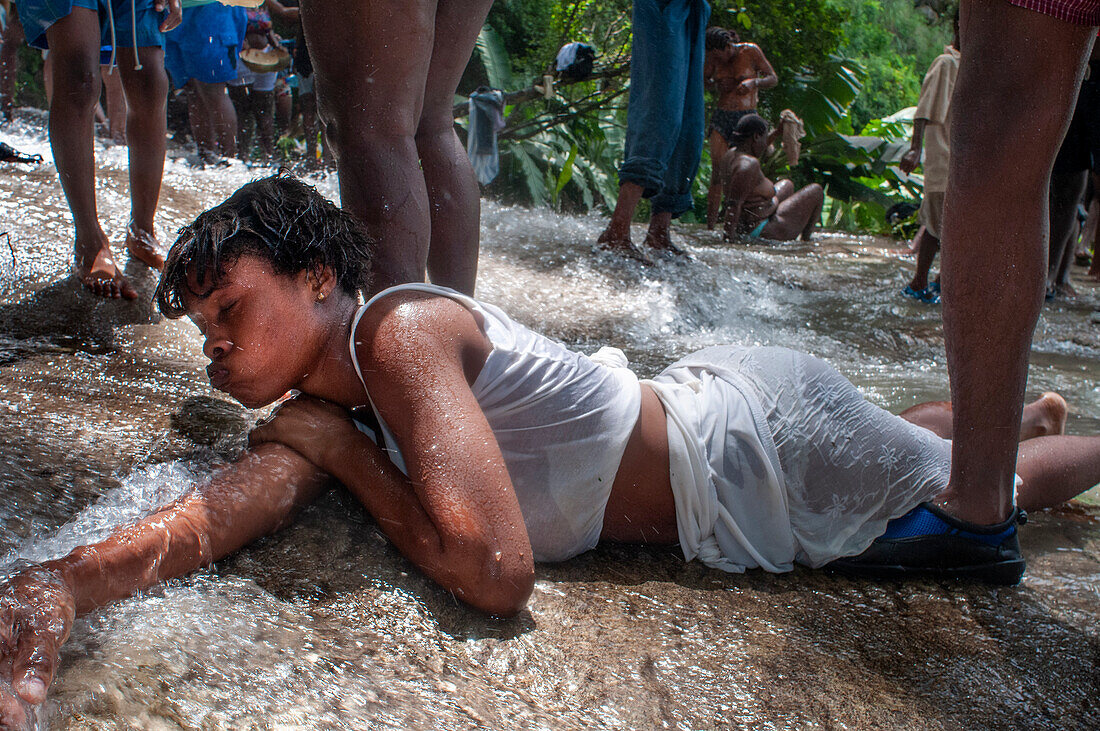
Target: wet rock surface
x=324 y=625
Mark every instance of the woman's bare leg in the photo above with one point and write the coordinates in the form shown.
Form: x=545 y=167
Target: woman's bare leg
x=453 y=197
x=242 y=106
x=371 y=62
x=797 y=215
x=146 y=130
x=116 y=104
x=718 y=149
x=75 y=83
x=1046 y=416
x=1056 y=469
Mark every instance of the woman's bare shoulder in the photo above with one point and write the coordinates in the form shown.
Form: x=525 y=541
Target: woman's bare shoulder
x=411 y=329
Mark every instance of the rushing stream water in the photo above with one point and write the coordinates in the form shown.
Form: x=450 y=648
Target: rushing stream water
x=105 y=413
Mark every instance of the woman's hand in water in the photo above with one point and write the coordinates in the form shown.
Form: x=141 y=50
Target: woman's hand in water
x=36 y=613
x=310 y=426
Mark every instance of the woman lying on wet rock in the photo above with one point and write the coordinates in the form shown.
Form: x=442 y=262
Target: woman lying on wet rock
x=482 y=447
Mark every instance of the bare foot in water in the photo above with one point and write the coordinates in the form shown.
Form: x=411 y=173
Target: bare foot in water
x=144 y=247
x=1065 y=289
x=616 y=239
x=661 y=242
x=1044 y=417
x=94 y=265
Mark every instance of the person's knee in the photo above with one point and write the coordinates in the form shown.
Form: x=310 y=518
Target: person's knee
x=147 y=88
x=434 y=131
x=816 y=192
x=76 y=82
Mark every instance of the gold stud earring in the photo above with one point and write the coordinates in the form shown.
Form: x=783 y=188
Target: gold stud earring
x=320 y=296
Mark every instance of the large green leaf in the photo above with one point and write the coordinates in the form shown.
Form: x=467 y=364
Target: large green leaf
x=490 y=50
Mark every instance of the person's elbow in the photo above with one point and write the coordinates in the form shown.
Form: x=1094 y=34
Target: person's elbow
x=505 y=596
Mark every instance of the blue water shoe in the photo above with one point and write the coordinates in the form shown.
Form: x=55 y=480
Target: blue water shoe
x=927 y=542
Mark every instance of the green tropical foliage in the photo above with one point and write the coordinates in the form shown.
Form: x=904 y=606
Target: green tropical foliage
x=564 y=152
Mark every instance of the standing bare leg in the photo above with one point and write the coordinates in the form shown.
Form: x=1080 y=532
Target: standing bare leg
x=74 y=74
x=995 y=226
x=718 y=149
x=146 y=128
x=116 y=104
x=453 y=196
x=371 y=66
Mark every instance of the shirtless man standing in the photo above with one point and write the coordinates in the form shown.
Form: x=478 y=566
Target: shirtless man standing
x=756 y=207
x=75 y=31
x=735 y=72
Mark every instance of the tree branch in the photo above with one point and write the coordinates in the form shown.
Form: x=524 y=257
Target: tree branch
x=525 y=95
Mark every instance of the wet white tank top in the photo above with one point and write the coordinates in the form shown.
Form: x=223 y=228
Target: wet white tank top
x=562 y=422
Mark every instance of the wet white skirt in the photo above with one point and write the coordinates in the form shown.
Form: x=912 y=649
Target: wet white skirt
x=776 y=458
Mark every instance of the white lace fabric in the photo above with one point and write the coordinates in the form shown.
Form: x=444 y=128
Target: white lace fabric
x=776 y=458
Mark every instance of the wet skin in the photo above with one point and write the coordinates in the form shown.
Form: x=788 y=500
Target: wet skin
x=735 y=74
x=995 y=229
x=750 y=197
x=403 y=171
x=456 y=515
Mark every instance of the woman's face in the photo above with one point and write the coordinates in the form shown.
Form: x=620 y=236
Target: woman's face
x=263 y=330
x=759 y=144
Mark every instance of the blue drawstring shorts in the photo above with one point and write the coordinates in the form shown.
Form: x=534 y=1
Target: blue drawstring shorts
x=143 y=24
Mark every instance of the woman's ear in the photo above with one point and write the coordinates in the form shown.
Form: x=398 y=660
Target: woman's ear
x=322 y=280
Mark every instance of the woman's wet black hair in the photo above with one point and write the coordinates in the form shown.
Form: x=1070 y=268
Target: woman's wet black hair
x=280 y=219
x=748 y=127
x=717 y=38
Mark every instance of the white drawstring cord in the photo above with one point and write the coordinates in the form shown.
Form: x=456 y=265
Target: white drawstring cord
x=114 y=41
x=111 y=21
x=133 y=28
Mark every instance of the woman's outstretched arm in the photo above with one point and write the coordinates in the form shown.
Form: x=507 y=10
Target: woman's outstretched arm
x=256 y=495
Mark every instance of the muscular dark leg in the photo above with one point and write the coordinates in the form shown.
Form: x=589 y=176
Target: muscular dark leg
x=1066 y=190
x=718 y=149
x=797 y=215
x=453 y=197
x=146 y=128
x=995 y=224
x=927 y=248
x=74 y=43
x=371 y=117
x=242 y=107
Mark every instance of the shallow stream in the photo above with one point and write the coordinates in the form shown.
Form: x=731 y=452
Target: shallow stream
x=105 y=413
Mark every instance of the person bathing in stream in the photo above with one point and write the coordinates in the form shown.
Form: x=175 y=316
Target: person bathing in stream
x=756 y=207
x=735 y=72
x=498 y=447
